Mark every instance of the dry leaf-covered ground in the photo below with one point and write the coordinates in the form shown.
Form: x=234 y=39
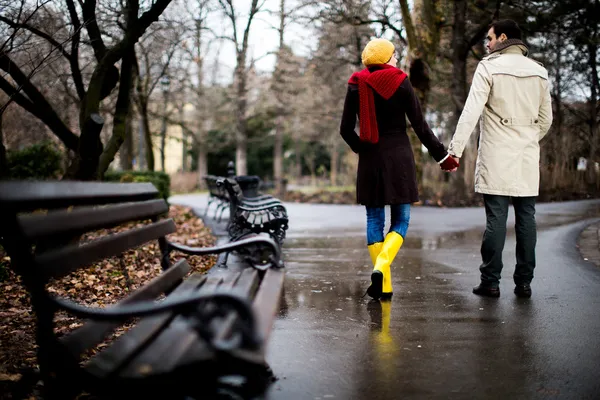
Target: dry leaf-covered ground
x=101 y=284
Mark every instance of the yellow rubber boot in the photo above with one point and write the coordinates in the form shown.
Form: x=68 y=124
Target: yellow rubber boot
x=374 y=250
x=381 y=278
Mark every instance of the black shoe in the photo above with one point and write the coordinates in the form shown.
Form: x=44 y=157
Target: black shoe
x=523 y=291
x=486 y=291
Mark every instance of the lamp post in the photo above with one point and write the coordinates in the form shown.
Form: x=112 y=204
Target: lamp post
x=164 y=84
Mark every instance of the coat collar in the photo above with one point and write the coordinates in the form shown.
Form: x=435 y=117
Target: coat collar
x=512 y=46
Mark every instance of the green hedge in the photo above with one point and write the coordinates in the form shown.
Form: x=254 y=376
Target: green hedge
x=160 y=180
x=39 y=161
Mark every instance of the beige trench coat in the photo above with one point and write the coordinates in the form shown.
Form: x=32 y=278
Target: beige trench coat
x=511 y=94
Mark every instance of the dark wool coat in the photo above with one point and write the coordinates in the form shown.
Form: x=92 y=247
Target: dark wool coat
x=386 y=170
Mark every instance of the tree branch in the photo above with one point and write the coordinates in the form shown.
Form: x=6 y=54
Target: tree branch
x=113 y=55
x=74 y=59
x=384 y=22
x=411 y=34
x=11 y=38
x=579 y=114
x=230 y=13
x=37 y=32
x=122 y=112
x=14 y=94
x=479 y=34
x=91 y=24
x=150 y=16
x=43 y=110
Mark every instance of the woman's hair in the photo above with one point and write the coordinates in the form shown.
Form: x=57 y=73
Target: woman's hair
x=507 y=26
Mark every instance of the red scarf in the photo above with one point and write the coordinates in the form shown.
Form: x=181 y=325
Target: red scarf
x=384 y=81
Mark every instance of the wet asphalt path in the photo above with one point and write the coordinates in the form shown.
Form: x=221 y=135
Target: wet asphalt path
x=435 y=340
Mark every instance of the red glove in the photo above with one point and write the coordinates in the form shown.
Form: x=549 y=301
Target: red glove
x=449 y=164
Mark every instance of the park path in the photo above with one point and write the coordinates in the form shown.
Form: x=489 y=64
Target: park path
x=435 y=340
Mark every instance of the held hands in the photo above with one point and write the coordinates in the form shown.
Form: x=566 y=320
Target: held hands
x=450 y=164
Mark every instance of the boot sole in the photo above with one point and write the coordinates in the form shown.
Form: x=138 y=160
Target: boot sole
x=523 y=295
x=486 y=294
x=376 y=288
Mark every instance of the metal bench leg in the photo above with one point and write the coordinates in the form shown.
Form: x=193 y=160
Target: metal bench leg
x=222 y=260
x=221 y=214
x=210 y=201
x=258 y=380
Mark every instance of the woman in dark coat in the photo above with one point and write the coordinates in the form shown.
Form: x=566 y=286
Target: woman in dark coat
x=381 y=96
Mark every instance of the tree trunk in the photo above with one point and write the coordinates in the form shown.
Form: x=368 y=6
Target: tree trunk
x=278 y=148
x=241 y=139
x=298 y=157
x=593 y=104
x=561 y=155
x=202 y=118
x=90 y=150
x=202 y=166
x=148 y=147
x=141 y=142
x=122 y=114
x=423 y=36
x=3 y=161
x=335 y=162
x=310 y=161
x=241 y=157
x=126 y=150
x=163 y=142
x=278 y=157
x=184 y=153
x=459 y=84
x=241 y=78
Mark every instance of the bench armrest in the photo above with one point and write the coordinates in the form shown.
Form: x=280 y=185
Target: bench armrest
x=261 y=207
x=257 y=200
x=185 y=304
x=231 y=246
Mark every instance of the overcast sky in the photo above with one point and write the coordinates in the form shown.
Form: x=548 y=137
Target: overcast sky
x=264 y=38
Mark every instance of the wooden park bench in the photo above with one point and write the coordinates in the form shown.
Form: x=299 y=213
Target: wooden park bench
x=208 y=334
x=250 y=218
x=219 y=196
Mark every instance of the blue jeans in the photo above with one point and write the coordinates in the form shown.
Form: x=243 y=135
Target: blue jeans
x=400 y=214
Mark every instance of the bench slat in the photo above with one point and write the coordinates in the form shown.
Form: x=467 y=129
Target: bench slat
x=171 y=344
x=266 y=302
x=60 y=262
x=89 y=218
x=128 y=345
x=245 y=286
x=92 y=332
x=32 y=195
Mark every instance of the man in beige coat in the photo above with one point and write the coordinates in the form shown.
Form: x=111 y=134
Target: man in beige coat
x=510 y=94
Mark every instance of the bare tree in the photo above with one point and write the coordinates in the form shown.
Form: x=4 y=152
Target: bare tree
x=153 y=57
x=240 y=76
x=91 y=157
x=196 y=85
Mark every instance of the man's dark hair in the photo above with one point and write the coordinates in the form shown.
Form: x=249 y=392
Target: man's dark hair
x=507 y=26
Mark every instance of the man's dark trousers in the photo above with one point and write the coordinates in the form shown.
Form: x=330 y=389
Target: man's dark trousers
x=496 y=211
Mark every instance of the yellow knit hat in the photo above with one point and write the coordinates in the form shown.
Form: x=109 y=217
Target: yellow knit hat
x=377 y=51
